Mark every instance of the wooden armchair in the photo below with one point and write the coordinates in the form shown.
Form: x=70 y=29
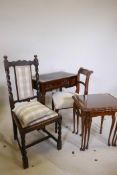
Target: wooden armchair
x=85 y=83
x=63 y=100
x=28 y=115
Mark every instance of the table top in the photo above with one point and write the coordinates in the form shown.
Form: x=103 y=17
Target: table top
x=96 y=102
x=54 y=76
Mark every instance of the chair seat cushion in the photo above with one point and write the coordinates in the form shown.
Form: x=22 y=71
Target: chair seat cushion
x=63 y=100
x=33 y=112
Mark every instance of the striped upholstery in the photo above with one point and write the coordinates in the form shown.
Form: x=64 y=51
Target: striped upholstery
x=33 y=112
x=24 y=82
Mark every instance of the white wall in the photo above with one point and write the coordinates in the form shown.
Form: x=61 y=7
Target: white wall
x=65 y=34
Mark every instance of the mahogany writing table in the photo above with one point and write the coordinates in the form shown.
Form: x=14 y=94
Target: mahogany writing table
x=54 y=80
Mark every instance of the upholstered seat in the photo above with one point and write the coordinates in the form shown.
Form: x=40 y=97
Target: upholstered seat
x=29 y=113
x=63 y=100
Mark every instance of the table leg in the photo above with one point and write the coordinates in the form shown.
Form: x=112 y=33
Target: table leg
x=82 y=132
x=89 y=128
x=86 y=126
x=74 y=113
x=60 y=89
x=102 y=120
x=78 y=114
x=43 y=98
x=85 y=135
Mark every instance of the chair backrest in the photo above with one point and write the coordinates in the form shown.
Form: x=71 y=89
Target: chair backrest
x=85 y=82
x=21 y=73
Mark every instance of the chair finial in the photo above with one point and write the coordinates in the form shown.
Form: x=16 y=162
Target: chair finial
x=35 y=56
x=5 y=57
x=36 y=59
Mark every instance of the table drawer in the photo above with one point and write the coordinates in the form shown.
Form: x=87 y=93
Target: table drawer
x=65 y=83
x=72 y=81
x=50 y=86
x=68 y=82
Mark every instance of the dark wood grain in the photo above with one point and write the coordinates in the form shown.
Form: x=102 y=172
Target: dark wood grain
x=17 y=124
x=94 y=105
x=55 y=80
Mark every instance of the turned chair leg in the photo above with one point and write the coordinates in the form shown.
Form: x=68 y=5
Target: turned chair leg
x=14 y=129
x=59 y=142
x=114 y=139
x=57 y=112
x=23 y=152
x=56 y=124
x=111 y=129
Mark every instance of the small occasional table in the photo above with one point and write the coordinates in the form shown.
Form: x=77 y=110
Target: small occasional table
x=94 y=105
x=54 y=80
